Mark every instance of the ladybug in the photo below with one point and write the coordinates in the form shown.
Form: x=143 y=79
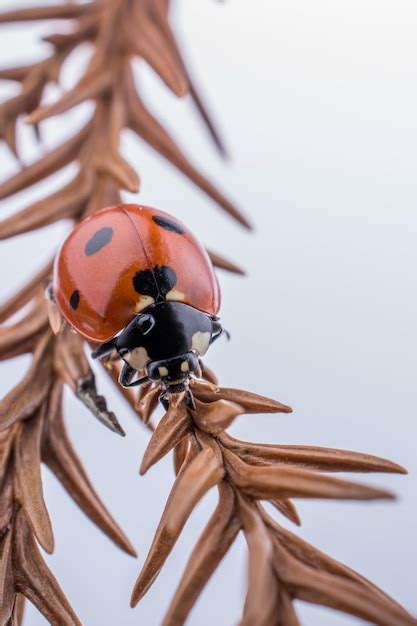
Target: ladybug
x=135 y=280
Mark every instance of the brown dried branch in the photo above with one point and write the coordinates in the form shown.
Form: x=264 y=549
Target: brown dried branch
x=31 y=423
x=281 y=566
x=32 y=430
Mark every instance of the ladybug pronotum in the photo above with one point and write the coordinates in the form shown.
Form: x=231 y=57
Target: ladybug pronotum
x=135 y=280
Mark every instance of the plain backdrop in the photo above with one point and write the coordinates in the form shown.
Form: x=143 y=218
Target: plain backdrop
x=317 y=101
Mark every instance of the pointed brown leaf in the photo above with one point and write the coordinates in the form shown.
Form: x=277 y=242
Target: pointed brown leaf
x=34 y=579
x=311 y=457
x=173 y=426
x=261 y=598
x=29 y=480
x=287 y=612
x=24 y=399
x=24 y=330
x=62 y=460
x=18 y=610
x=214 y=543
x=251 y=402
x=147 y=40
x=195 y=478
x=147 y=127
x=51 y=12
x=287 y=508
x=271 y=483
x=15 y=73
x=56 y=320
x=147 y=403
x=208 y=374
x=70 y=360
x=214 y=417
x=224 y=264
x=25 y=294
x=317 y=587
x=49 y=164
x=313 y=557
x=7 y=590
x=65 y=203
x=91 y=85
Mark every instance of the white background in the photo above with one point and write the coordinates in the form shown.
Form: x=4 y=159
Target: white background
x=318 y=103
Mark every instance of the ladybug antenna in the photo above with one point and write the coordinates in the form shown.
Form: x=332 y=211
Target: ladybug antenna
x=218 y=331
x=104 y=349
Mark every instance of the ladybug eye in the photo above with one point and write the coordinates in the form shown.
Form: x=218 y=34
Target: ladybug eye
x=146 y=323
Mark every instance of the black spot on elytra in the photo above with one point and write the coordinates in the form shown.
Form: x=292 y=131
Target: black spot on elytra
x=100 y=239
x=74 y=299
x=168 y=224
x=155 y=283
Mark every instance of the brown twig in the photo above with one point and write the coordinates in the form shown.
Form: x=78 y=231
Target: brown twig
x=281 y=567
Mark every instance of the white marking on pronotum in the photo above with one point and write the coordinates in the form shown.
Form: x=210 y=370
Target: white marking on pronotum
x=137 y=358
x=185 y=366
x=175 y=295
x=163 y=371
x=200 y=342
x=143 y=303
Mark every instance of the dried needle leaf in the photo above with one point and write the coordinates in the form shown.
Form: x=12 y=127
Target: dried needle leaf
x=286 y=507
x=18 y=610
x=271 y=483
x=35 y=581
x=214 y=417
x=25 y=294
x=313 y=557
x=29 y=480
x=49 y=164
x=214 y=543
x=89 y=86
x=195 y=478
x=62 y=460
x=50 y=12
x=319 y=587
x=252 y=402
x=56 y=321
x=224 y=264
x=147 y=40
x=173 y=426
x=311 y=457
x=261 y=598
x=7 y=592
x=147 y=127
x=148 y=402
x=24 y=399
x=65 y=203
x=24 y=331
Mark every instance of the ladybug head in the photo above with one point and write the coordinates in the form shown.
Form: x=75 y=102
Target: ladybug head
x=164 y=343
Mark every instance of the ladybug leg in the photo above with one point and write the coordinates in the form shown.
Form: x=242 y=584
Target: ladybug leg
x=127 y=374
x=104 y=349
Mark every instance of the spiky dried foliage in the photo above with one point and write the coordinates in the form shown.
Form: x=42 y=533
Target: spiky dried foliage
x=31 y=421
x=281 y=566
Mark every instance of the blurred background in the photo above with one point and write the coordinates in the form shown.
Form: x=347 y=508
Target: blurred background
x=318 y=105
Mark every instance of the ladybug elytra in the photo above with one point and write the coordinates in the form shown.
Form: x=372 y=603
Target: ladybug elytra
x=135 y=280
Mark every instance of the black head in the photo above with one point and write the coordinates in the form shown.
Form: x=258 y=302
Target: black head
x=164 y=342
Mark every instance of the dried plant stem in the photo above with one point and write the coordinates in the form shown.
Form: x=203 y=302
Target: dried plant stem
x=31 y=422
x=281 y=567
x=32 y=429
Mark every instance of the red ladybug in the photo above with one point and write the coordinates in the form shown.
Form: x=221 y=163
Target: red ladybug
x=136 y=280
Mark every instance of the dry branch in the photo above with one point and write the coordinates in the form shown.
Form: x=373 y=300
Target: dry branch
x=32 y=428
